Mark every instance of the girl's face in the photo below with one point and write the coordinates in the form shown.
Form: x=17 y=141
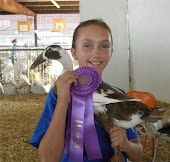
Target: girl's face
x=93 y=47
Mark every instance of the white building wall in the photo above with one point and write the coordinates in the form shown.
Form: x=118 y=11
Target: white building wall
x=149 y=26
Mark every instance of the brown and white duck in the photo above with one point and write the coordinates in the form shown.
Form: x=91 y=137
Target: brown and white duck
x=111 y=107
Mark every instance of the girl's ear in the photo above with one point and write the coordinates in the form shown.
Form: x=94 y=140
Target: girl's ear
x=73 y=52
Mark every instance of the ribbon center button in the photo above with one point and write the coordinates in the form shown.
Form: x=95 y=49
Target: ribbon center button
x=84 y=80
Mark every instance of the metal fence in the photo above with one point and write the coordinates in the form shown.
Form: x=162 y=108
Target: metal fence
x=16 y=77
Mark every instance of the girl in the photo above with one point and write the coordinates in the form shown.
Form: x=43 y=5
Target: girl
x=92 y=46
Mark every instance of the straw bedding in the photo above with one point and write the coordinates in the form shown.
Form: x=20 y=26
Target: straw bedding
x=18 y=118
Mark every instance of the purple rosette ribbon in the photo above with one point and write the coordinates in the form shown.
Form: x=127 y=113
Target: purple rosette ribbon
x=81 y=129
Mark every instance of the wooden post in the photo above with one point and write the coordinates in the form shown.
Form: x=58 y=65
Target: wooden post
x=35 y=28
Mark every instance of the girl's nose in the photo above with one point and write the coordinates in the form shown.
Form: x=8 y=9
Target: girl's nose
x=96 y=52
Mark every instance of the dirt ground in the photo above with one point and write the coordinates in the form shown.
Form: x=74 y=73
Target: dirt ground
x=19 y=116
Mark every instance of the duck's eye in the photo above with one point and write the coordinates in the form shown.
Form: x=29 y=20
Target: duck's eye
x=49 y=49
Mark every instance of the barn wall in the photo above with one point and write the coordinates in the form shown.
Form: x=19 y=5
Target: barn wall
x=149 y=28
x=45 y=32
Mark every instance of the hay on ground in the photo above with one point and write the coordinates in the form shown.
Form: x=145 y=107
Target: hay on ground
x=19 y=116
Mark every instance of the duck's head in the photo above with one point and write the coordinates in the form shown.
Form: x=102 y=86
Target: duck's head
x=54 y=52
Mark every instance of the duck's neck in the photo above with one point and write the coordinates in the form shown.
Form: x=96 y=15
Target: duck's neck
x=67 y=63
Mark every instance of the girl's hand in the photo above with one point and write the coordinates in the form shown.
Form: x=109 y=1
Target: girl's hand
x=118 y=138
x=63 y=84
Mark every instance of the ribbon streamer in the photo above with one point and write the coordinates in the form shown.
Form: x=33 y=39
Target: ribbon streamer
x=81 y=117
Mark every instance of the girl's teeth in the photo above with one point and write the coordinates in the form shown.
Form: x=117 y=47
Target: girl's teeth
x=95 y=63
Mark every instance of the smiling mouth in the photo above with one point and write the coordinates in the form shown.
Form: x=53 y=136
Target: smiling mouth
x=95 y=63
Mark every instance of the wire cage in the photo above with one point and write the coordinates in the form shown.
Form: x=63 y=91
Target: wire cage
x=16 y=77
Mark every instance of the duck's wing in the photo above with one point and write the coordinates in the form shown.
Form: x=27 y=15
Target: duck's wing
x=107 y=95
x=124 y=114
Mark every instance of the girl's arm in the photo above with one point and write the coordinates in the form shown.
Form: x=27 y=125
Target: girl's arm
x=52 y=144
x=134 y=151
x=132 y=148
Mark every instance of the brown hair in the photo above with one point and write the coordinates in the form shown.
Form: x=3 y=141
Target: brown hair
x=14 y=41
x=98 y=22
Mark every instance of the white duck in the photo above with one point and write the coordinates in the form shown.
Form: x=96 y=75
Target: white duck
x=7 y=70
x=111 y=107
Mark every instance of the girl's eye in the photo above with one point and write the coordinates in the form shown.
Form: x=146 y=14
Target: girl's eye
x=105 y=46
x=87 y=45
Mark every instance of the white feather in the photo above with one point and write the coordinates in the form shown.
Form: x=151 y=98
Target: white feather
x=65 y=61
x=43 y=55
x=102 y=99
x=99 y=109
x=135 y=120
